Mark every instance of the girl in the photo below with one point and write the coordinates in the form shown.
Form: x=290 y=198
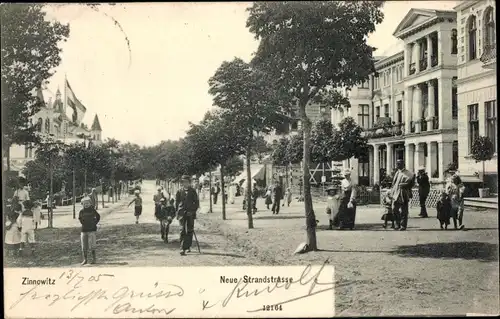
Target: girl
x=269 y=199
x=388 y=215
x=137 y=205
x=27 y=224
x=288 y=196
x=332 y=204
x=12 y=234
x=37 y=213
x=443 y=208
x=455 y=190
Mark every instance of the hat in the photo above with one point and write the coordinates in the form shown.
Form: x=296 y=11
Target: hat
x=185 y=178
x=162 y=199
x=137 y=191
x=159 y=189
x=400 y=160
x=421 y=168
x=347 y=171
x=86 y=200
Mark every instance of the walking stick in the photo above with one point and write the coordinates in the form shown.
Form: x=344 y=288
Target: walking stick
x=197 y=243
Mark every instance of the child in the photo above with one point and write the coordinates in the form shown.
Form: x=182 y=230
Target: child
x=443 y=208
x=388 y=215
x=288 y=196
x=12 y=234
x=37 y=213
x=332 y=205
x=269 y=199
x=455 y=190
x=168 y=211
x=137 y=205
x=89 y=218
x=27 y=225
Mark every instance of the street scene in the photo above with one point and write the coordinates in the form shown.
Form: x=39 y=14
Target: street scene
x=259 y=134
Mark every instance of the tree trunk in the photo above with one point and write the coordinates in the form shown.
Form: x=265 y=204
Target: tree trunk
x=222 y=185
x=308 y=205
x=74 y=194
x=210 y=190
x=483 y=174
x=249 y=191
x=51 y=194
x=7 y=156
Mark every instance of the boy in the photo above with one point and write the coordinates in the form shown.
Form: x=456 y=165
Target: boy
x=168 y=214
x=26 y=223
x=137 y=205
x=89 y=218
x=443 y=208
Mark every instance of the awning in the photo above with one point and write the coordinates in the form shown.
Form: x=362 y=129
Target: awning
x=257 y=172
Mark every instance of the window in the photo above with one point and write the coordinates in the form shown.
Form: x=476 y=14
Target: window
x=489 y=29
x=376 y=83
x=47 y=125
x=454 y=98
x=491 y=121
x=377 y=112
x=365 y=85
x=363 y=116
x=454 y=41
x=400 y=111
x=473 y=124
x=455 y=153
x=399 y=73
x=295 y=125
x=386 y=110
x=471 y=28
x=39 y=124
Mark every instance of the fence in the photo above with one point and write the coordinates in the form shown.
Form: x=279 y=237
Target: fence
x=431 y=201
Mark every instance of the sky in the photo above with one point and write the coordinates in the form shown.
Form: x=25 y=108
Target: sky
x=151 y=92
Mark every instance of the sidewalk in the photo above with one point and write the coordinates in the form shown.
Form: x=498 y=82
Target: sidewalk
x=63 y=215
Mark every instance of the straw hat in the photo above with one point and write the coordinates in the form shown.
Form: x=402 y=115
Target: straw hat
x=86 y=200
x=421 y=168
x=137 y=191
x=347 y=171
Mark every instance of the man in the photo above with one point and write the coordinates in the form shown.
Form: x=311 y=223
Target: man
x=157 y=199
x=424 y=187
x=400 y=194
x=186 y=205
x=216 y=191
x=278 y=195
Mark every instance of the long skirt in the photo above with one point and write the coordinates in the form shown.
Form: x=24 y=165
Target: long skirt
x=346 y=217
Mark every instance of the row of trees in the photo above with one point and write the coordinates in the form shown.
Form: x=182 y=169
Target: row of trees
x=90 y=165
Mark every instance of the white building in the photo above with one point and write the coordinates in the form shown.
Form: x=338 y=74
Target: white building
x=477 y=87
x=53 y=120
x=408 y=108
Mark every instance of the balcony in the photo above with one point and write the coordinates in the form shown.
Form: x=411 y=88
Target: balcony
x=489 y=57
x=423 y=64
x=412 y=127
x=412 y=69
x=423 y=125
x=434 y=61
x=385 y=130
x=435 y=123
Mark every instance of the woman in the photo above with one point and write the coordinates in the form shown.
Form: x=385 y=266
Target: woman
x=347 y=211
x=455 y=190
x=232 y=193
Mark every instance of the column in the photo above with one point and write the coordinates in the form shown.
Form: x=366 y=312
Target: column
x=445 y=151
x=407 y=58
x=370 y=165
x=417 y=58
x=417 y=107
x=416 y=157
x=431 y=153
x=376 y=164
x=444 y=103
x=390 y=156
x=429 y=51
x=430 y=104
x=440 y=48
x=409 y=151
x=407 y=108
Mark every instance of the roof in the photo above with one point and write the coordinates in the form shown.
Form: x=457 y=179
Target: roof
x=96 y=126
x=420 y=17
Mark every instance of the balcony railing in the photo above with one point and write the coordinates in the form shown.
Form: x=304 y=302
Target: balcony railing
x=434 y=61
x=412 y=69
x=423 y=64
x=389 y=130
x=489 y=53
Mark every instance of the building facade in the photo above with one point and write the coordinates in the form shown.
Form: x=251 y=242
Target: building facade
x=53 y=120
x=409 y=108
x=477 y=87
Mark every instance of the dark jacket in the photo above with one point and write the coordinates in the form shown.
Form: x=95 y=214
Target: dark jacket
x=186 y=200
x=278 y=193
x=89 y=218
x=424 y=185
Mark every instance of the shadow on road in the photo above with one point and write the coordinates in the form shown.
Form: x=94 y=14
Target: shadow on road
x=222 y=254
x=360 y=227
x=460 y=250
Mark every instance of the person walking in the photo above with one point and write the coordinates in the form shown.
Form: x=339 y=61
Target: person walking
x=157 y=200
x=186 y=206
x=215 y=192
x=269 y=197
x=424 y=187
x=401 y=194
x=89 y=218
x=137 y=205
x=347 y=209
x=277 y=196
x=232 y=193
x=288 y=196
x=455 y=190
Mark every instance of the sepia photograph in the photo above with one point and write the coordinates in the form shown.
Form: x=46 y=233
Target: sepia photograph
x=250 y=159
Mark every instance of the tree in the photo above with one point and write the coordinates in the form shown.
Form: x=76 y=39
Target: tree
x=30 y=52
x=482 y=150
x=312 y=49
x=279 y=154
x=234 y=166
x=349 y=141
x=252 y=102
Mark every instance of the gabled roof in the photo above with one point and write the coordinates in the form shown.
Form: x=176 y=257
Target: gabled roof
x=418 y=17
x=96 y=126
